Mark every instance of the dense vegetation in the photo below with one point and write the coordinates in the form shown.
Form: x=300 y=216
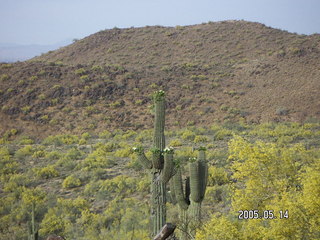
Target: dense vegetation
x=92 y=187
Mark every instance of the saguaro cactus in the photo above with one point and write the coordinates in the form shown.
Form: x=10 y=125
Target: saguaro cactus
x=190 y=199
x=33 y=231
x=160 y=166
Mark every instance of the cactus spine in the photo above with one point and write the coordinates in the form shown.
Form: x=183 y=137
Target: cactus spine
x=160 y=166
x=189 y=201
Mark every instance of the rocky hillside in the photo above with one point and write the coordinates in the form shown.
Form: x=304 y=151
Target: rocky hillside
x=211 y=72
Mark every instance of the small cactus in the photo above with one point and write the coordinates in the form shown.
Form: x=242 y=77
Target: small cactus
x=33 y=230
x=189 y=201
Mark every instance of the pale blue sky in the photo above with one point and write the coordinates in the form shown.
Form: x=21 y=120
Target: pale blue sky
x=51 y=21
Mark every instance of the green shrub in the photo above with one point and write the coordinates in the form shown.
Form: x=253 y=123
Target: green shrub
x=46 y=172
x=105 y=134
x=53 y=122
x=54 y=101
x=224 y=108
x=144 y=136
x=23 y=152
x=188 y=135
x=98 y=158
x=85 y=135
x=198 y=77
x=39 y=154
x=4 y=77
x=120 y=184
x=80 y=71
x=9 y=90
x=222 y=134
x=3 y=141
x=175 y=143
x=200 y=139
x=134 y=163
x=7 y=164
x=217 y=156
x=41 y=73
x=184 y=153
x=96 y=68
x=71 y=182
x=191 y=123
x=190 y=66
x=10 y=133
x=116 y=104
x=123 y=152
x=15 y=181
x=53 y=223
x=82 y=141
x=217 y=193
x=107 y=147
x=42 y=96
x=217 y=176
x=61 y=139
x=54 y=155
x=73 y=154
x=128 y=134
x=84 y=78
x=24 y=140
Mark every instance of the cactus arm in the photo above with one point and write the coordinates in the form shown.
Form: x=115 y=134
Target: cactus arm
x=172 y=192
x=204 y=178
x=178 y=188
x=143 y=160
x=168 y=165
x=203 y=170
x=195 y=181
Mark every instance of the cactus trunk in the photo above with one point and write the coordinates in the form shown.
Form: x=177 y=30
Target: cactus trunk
x=184 y=222
x=158 y=206
x=158 y=211
x=159 y=139
x=195 y=212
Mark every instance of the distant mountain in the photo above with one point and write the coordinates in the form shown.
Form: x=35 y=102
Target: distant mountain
x=218 y=71
x=15 y=52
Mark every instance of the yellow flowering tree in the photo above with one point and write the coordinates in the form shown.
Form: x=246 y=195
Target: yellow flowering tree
x=275 y=193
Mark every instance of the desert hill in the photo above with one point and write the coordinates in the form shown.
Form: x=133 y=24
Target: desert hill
x=215 y=71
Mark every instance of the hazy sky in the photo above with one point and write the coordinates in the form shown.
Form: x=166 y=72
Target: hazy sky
x=52 y=21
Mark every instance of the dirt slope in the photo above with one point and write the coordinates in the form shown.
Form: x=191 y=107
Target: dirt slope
x=214 y=71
